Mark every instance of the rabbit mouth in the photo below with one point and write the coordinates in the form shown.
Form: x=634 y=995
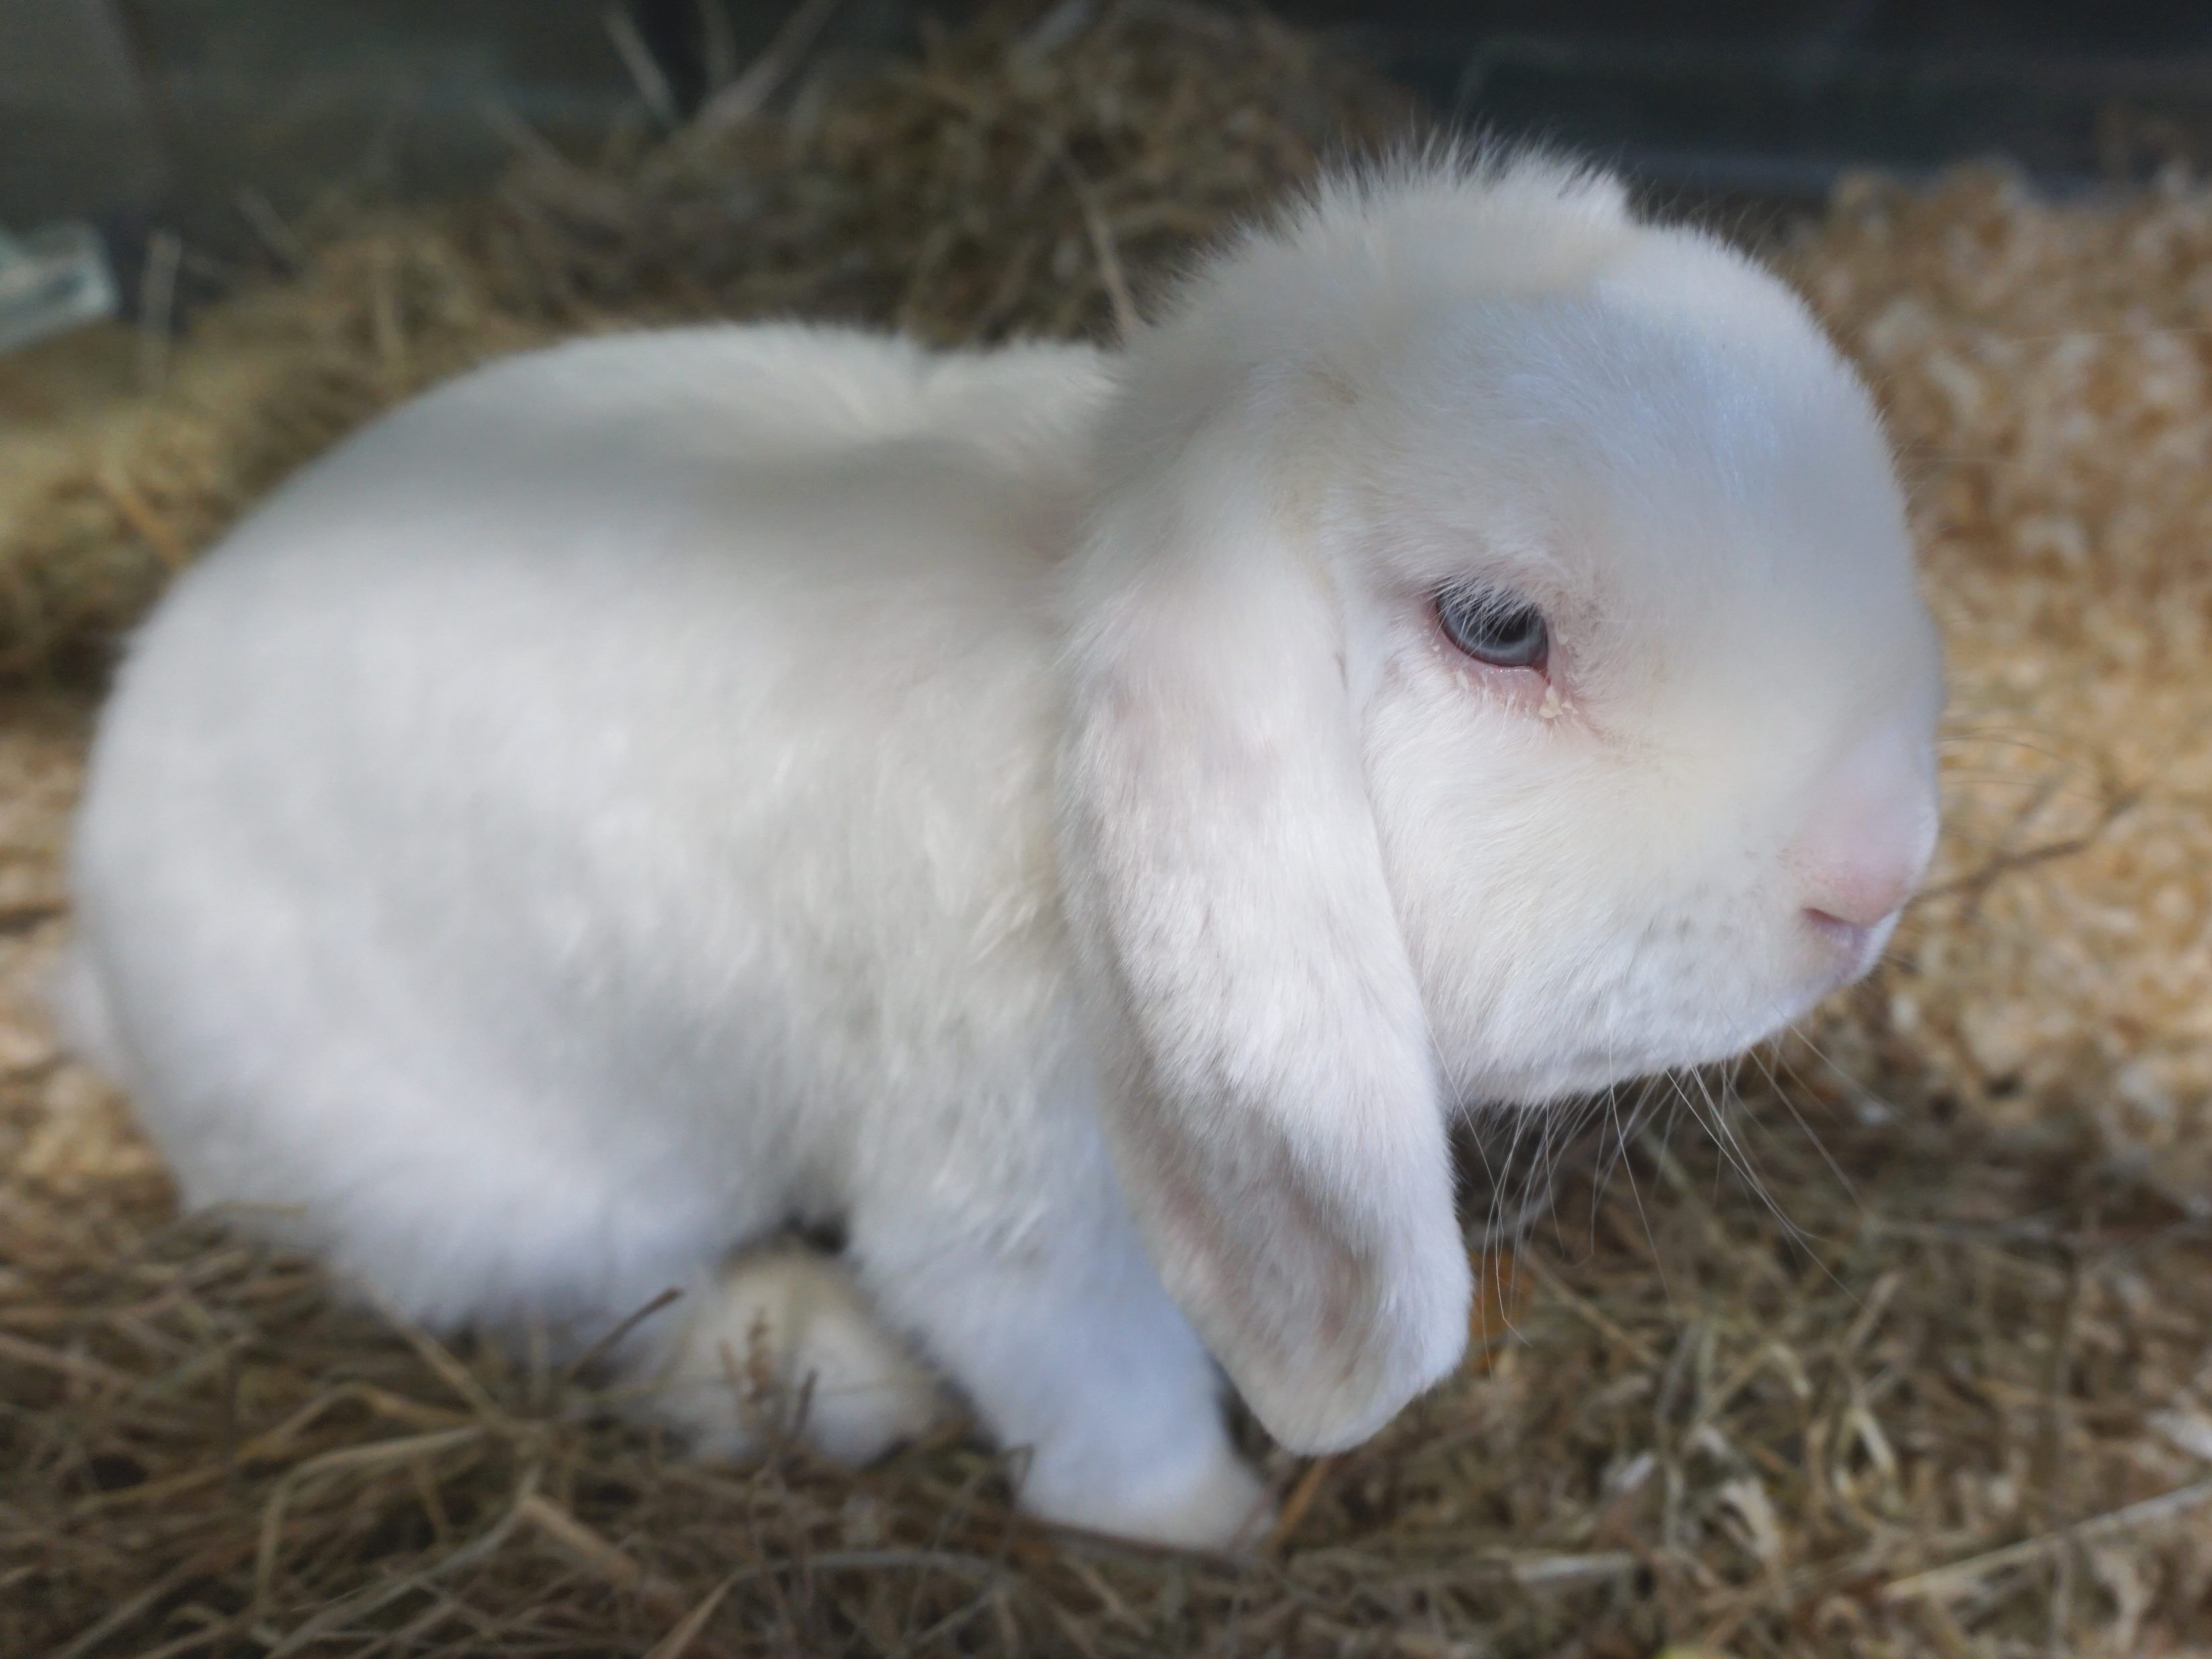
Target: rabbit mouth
x=1850 y=949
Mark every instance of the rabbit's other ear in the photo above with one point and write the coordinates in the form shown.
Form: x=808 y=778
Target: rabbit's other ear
x=1274 y=1108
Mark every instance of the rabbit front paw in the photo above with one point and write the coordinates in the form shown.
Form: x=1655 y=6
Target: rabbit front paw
x=1218 y=1505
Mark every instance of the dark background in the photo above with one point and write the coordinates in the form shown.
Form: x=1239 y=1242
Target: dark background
x=178 y=111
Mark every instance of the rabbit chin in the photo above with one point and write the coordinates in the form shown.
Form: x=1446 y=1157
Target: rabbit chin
x=1570 y=1040
x=1564 y=1075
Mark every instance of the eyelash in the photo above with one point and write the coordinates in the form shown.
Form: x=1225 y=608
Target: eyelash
x=1492 y=626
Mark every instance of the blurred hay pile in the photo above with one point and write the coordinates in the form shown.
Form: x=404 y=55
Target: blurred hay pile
x=1949 y=1393
x=1015 y=180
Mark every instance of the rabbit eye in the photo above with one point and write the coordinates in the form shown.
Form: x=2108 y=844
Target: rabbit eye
x=1499 y=628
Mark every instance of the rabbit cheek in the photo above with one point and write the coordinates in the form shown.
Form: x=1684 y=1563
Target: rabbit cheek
x=1563 y=927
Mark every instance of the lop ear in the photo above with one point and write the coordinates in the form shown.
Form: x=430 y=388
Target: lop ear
x=1273 y=1106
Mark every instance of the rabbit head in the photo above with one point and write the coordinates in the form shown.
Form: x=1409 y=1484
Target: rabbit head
x=1497 y=670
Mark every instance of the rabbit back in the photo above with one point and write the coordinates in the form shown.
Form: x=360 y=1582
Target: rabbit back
x=517 y=860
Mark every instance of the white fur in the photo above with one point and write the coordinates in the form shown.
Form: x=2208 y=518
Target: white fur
x=782 y=1339
x=1016 y=805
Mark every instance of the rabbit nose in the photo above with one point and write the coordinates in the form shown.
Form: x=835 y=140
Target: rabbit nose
x=1868 y=841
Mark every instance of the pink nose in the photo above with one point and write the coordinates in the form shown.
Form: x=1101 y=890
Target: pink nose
x=1867 y=842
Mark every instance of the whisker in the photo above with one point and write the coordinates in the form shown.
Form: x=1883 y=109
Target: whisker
x=1621 y=1131
x=1738 y=1157
x=1835 y=1168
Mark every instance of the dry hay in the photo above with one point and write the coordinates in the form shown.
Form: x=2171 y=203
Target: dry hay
x=1958 y=1402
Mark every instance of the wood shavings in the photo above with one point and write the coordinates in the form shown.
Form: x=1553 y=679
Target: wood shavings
x=2045 y=371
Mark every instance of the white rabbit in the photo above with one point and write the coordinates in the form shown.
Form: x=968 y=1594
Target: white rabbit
x=1080 y=822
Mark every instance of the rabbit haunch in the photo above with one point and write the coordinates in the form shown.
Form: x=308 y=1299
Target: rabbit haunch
x=1022 y=805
